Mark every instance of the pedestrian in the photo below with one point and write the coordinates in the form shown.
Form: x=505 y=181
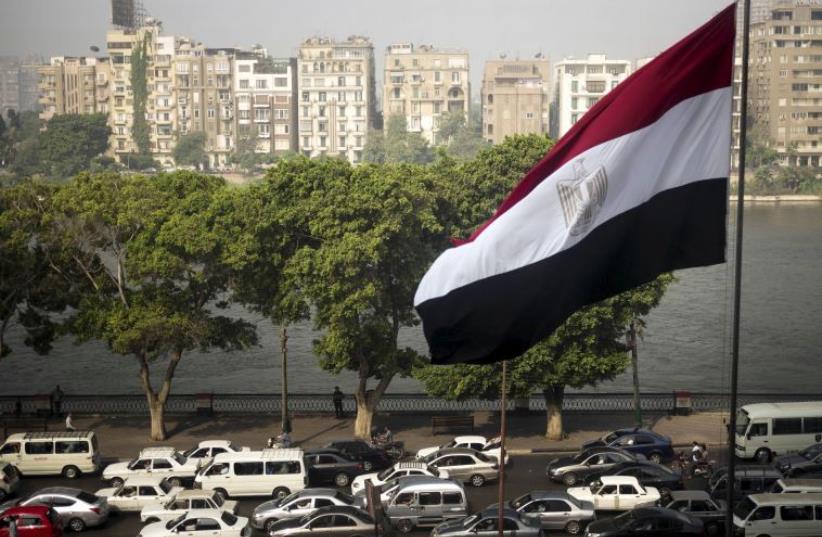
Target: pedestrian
x=697 y=454
x=338 y=402
x=56 y=399
x=69 y=424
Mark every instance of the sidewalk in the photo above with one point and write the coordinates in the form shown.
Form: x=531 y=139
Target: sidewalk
x=123 y=437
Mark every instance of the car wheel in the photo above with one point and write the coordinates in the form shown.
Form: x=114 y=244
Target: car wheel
x=570 y=479
x=655 y=458
x=76 y=524
x=367 y=466
x=221 y=493
x=477 y=480
x=573 y=528
x=712 y=529
x=116 y=481
x=71 y=472
x=341 y=480
x=174 y=482
x=280 y=492
x=269 y=524
x=405 y=525
x=763 y=455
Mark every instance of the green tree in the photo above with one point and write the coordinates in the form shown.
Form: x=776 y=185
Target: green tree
x=153 y=258
x=367 y=236
x=463 y=139
x=139 y=88
x=70 y=142
x=398 y=145
x=246 y=157
x=190 y=150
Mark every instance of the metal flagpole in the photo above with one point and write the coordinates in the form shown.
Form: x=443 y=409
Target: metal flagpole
x=503 y=411
x=740 y=212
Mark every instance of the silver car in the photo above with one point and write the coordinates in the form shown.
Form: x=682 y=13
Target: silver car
x=554 y=510
x=325 y=522
x=299 y=504
x=463 y=464
x=77 y=508
x=486 y=524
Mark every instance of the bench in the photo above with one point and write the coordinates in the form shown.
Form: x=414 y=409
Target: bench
x=446 y=423
x=24 y=425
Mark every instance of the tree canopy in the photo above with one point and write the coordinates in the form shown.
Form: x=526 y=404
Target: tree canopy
x=190 y=150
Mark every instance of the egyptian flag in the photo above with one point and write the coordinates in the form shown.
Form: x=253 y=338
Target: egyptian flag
x=636 y=188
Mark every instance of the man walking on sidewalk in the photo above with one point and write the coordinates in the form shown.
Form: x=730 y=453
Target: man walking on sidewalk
x=338 y=402
x=56 y=398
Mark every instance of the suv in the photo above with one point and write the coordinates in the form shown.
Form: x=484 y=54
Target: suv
x=372 y=458
x=156 y=461
x=9 y=480
x=331 y=466
x=809 y=460
x=571 y=470
x=656 y=447
x=31 y=521
x=465 y=465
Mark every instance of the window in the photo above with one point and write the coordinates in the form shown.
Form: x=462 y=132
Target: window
x=627 y=489
x=207 y=524
x=306 y=141
x=437 y=76
x=322 y=502
x=574 y=86
x=281 y=113
x=280 y=82
x=304 y=96
x=812 y=425
x=262 y=84
x=321 y=111
x=162 y=464
x=341 y=81
x=430 y=498
x=452 y=498
x=322 y=141
x=395 y=93
x=146 y=491
x=759 y=429
x=263 y=129
x=59 y=501
x=529 y=115
x=787 y=426
x=245 y=68
x=248 y=468
x=322 y=96
x=244 y=83
x=262 y=114
x=702 y=506
x=71 y=447
x=455 y=77
x=211 y=113
x=406 y=498
x=10 y=448
x=322 y=126
x=595 y=86
x=608 y=490
x=790 y=512
x=341 y=141
x=39 y=448
x=342 y=521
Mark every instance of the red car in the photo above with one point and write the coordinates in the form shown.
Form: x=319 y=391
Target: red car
x=32 y=521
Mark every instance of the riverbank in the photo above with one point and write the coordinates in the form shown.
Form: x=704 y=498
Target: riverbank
x=782 y=198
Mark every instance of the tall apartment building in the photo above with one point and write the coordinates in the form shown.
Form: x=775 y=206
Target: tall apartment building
x=265 y=91
x=73 y=85
x=515 y=98
x=421 y=83
x=18 y=83
x=579 y=84
x=785 y=79
x=337 y=91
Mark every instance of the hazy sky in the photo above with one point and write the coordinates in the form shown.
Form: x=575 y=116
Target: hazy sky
x=625 y=29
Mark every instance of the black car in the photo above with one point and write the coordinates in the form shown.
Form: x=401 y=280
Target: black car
x=329 y=465
x=647 y=522
x=656 y=447
x=647 y=473
x=699 y=504
x=809 y=460
x=372 y=458
x=571 y=470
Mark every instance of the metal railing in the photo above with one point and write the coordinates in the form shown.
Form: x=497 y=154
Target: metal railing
x=391 y=403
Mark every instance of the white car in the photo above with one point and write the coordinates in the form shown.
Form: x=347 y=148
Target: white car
x=138 y=492
x=211 y=522
x=616 y=493
x=157 y=461
x=208 y=449
x=488 y=446
x=400 y=469
x=186 y=501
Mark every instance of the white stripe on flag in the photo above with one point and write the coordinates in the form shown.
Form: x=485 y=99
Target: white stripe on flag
x=689 y=143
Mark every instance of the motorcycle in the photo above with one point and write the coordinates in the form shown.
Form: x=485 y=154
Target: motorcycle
x=395 y=449
x=690 y=468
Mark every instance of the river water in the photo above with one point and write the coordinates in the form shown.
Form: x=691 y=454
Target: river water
x=686 y=342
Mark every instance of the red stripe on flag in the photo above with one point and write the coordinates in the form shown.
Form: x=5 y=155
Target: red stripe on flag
x=699 y=63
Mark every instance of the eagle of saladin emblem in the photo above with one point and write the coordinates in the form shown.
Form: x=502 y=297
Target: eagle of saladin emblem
x=582 y=197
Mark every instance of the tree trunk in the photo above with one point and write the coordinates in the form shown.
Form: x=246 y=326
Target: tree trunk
x=367 y=402
x=158 y=424
x=157 y=400
x=553 y=408
x=631 y=336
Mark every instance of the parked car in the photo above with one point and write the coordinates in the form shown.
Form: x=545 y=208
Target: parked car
x=9 y=480
x=138 y=492
x=616 y=493
x=400 y=469
x=656 y=447
x=466 y=465
x=749 y=480
x=77 y=508
x=336 y=521
x=372 y=458
x=67 y=453
x=553 y=510
x=424 y=501
x=647 y=522
x=794 y=486
x=300 y=504
x=486 y=524
x=809 y=460
x=699 y=504
x=328 y=465
x=190 y=501
x=31 y=521
x=571 y=470
x=156 y=461
x=648 y=474
x=208 y=449
x=207 y=522
x=490 y=446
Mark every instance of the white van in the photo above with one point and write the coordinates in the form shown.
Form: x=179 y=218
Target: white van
x=270 y=472
x=791 y=486
x=767 y=429
x=68 y=453
x=779 y=515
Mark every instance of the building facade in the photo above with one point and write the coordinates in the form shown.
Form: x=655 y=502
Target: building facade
x=265 y=91
x=19 y=83
x=337 y=96
x=73 y=85
x=785 y=80
x=579 y=84
x=421 y=83
x=515 y=98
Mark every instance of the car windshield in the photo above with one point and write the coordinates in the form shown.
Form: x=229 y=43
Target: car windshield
x=287 y=500
x=812 y=451
x=172 y=523
x=744 y=508
x=228 y=518
x=467 y=521
x=345 y=498
x=179 y=458
x=610 y=438
x=189 y=452
x=132 y=463
x=430 y=457
x=742 y=421
x=594 y=487
x=385 y=473
x=482 y=457
x=624 y=520
x=87 y=497
x=217 y=499
x=522 y=500
x=579 y=457
x=164 y=486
